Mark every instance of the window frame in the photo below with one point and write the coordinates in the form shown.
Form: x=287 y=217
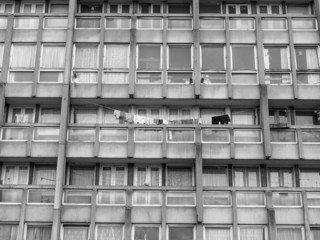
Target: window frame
x=45 y=140
x=109 y=225
x=23 y=112
x=213 y=226
x=13 y=140
x=138 y=69
x=304 y=29
x=246 y=179
x=223 y=130
x=282 y=142
x=242 y=29
x=69 y=175
x=3 y=6
x=264 y=227
x=221 y=205
x=151 y=5
x=183 y=29
x=148 y=204
x=86 y=18
x=118 y=28
x=302 y=230
x=297 y=4
x=289 y=206
x=139 y=19
x=33 y=7
x=238 y=6
x=148 y=141
x=113 y=174
x=40 y=203
x=118 y=141
x=63 y=226
x=180 y=129
x=275 y=29
x=255 y=59
x=280 y=171
x=145 y=225
x=111 y=204
x=214 y=167
x=181 y=226
x=181 y=166
x=309 y=47
x=88 y=2
x=181 y=193
x=148 y=173
x=214 y=18
x=252 y=206
x=170 y=69
x=242 y=130
x=269 y=8
x=16 y=170
x=57 y=2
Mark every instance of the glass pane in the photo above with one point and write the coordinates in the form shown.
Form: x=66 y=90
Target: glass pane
x=301 y=9
x=212 y=58
x=149 y=57
x=277 y=78
x=83 y=115
x=280 y=136
x=215 y=176
x=309 y=178
x=307 y=58
x=216 y=198
x=184 y=199
x=311 y=136
x=313 y=199
x=286 y=199
x=149 y=233
x=243 y=58
x=86 y=56
x=181 y=233
x=274 y=24
x=178 y=8
x=276 y=58
x=179 y=176
x=81 y=176
x=77 y=197
x=3 y=23
x=118 y=23
x=209 y=7
x=55 y=22
x=247 y=136
x=244 y=78
x=250 y=199
x=51 y=77
x=111 y=197
x=180 y=57
x=23 y=56
x=242 y=24
x=15 y=134
x=91 y=8
x=117 y=56
x=41 y=196
x=8 y=231
x=50 y=115
x=221 y=136
x=180 y=77
x=69 y=233
x=38 y=232
x=114 y=135
x=59 y=8
x=112 y=232
x=213 y=78
x=150 y=23
x=146 y=78
x=289 y=233
x=146 y=198
x=212 y=24
x=46 y=134
x=305 y=117
x=256 y=233
x=243 y=116
x=30 y=23
x=21 y=77
x=11 y=196
x=87 y=135
x=148 y=135
x=304 y=24
x=181 y=136
x=115 y=78
x=44 y=175
x=232 y=9
x=88 y=23
x=308 y=78
x=179 y=24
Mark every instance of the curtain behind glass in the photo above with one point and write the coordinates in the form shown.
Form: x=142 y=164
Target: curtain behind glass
x=109 y=233
x=86 y=56
x=218 y=234
x=23 y=56
x=315 y=234
x=53 y=57
x=116 y=56
x=81 y=176
x=289 y=234
x=243 y=116
x=16 y=175
x=45 y=175
x=75 y=233
x=252 y=234
x=1 y=53
x=8 y=232
x=179 y=176
x=50 y=115
x=215 y=177
x=39 y=233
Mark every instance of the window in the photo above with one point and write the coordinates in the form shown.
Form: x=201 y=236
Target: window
x=286 y=199
x=113 y=135
x=21 y=114
x=313 y=200
x=181 y=199
x=119 y=23
x=147 y=198
x=91 y=7
x=15 y=134
x=209 y=7
x=270 y=9
x=8 y=231
x=179 y=114
x=15 y=174
x=180 y=233
x=109 y=117
x=307 y=58
x=247 y=136
x=44 y=175
x=38 y=232
x=315 y=233
x=149 y=23
x=81 y=135
x=148 y=135
x=149 y=112
x=280 y=177
x=221 y=198
x=50 y=115
x=22 y=63
x=273 y=24
x=238 y=9
x=85 y=63
x=215 y=176
x=279 y=116
x=26 y=23
x=6 y=7
x=243 y=116
x=41 y=196
x=212 y=23
x=242 y=24
x=119 y=8
x=86 y=23
x=111 y=197
x=257 y=233
x=58 y=8
x=148 y=8
x=286 y=233
x=113 y=175
x=246 y=177
x=311 y=137
x=81 y=176
x=148 y=176
x=85 y=115
x=176 y=8
x=149 y=232
x=215 y=136
x=249 y=199
x=282 y=136
x=221 y=233
x=276 y=58
x=75 y=232
x=179 y=176
x=149 y=57
x=179 y=23
x=114 y=232
x=301 y=24
x=182 y=136
x=309 y=178
x=305 y=117
x=55 y=22
x=11 y=196
x=52 y=63
x=206 y=114
x=32 y=8
x=77 y=197
x=116 y=64
x=3 y=25
x=298 y=9
x=308 y=78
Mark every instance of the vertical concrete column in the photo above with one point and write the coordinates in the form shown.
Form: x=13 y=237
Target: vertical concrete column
x=306 y=215
x=234 y=215
x=199 y=187
x=196 y=47
x=292 y=59
x=101 y=53
x=22 y=214
x=300 y=145
x=264 y=111
x=128 y=213
x=228 y=58
x=272 y=231
x=164 y=142
x=133 y=43
x=164 y=216
x=164 y=50
x=65 y=102
x=92 y=226
x=130 y=150
x=260 y=54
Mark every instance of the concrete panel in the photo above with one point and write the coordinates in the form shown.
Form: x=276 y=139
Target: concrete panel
x=289 y=216
x=212 y=36
x=115 y=91
x=54 y=35
x=181 y=215
x=306 y=37
x=146 y=215
x=118 y=36
x=149 y=36
x=237 y=36
x=180 y=36
x=284 y=151
x=276 y=37
x=180 y=91
x=309 y=91
x=249 y=151
x=245 y=91
x=252 y=215
x=221 y=215
x=80 y=149
x=44 y=149
x=84 y=90
x=311 y=151
x=118 y=150
x=213 y=91
x=211 y=150
x=86 y=35
x=18 y=90
x=148 y=91
x=49 y=90
x=314 y=216
x=24 y=35
x=110 y=214
x=180 y=150
x=76 y=213
x=10 y=213
x=38 y=213
x=280 y=92
x=147 y=150
x=13 y=149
